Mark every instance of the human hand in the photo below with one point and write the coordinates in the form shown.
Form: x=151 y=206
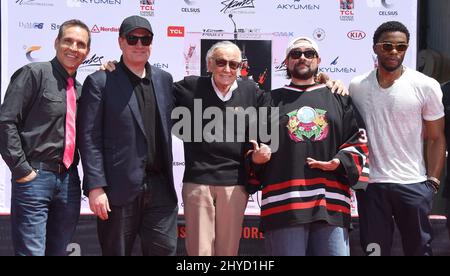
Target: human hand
x=99 y=204
x=331 y=165
x=30 y=177
x=110 y=66
x=338 y=87
x=261 y=153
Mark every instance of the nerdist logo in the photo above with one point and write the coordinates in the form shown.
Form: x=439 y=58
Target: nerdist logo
x=96 y=29
x=298 y=5
x=238 y=6
x=147 y=8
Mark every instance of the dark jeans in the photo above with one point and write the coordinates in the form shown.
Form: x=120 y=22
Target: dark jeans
x=44 y=213
x=152 y=216
x=408 y=206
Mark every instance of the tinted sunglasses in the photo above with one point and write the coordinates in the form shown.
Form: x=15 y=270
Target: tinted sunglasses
x=388 y=47
x=309 y=54
x=233 y=64
x=145 y=40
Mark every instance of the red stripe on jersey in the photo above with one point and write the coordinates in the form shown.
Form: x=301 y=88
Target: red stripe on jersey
x=304 y=206
x=304 y=183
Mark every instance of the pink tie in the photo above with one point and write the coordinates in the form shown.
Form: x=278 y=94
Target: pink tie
x=69 y=148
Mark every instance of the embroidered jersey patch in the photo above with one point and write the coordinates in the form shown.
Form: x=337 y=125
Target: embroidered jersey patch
x=307 y=123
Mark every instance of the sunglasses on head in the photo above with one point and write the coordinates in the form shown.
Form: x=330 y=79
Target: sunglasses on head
x=233 y=64
x=309 y=54
x=145 y=40
x=388 y=47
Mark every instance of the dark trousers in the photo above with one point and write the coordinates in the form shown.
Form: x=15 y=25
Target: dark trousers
x=408 y=206
x=152 y=216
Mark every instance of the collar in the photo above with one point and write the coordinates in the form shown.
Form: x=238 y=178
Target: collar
x=304 y=88
x=133 y=76
x=229 y=94
x=60 y=69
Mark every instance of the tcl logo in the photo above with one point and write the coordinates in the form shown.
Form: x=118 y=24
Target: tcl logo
x=175 y=31
x=356 y=35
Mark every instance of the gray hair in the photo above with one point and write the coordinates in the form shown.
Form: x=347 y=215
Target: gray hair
x=221 y=45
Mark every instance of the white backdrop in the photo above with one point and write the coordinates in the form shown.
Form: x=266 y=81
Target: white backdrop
x=342 y=28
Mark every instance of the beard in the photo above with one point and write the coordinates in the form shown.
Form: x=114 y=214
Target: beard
x=390 y=68
x=304 y=73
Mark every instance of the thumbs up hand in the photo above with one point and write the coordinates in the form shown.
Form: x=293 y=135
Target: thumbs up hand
x=261 y=153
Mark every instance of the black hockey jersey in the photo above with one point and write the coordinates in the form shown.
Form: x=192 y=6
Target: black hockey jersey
x=318 y=124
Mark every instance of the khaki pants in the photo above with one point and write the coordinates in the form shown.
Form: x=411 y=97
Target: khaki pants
x=214 y=216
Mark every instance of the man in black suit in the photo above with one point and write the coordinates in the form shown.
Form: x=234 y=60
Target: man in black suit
x=125 y=145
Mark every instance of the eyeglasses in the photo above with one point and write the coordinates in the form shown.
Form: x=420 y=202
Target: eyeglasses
x=389 y=47
x=233 y=64
x=145 y=40
x=309 y=54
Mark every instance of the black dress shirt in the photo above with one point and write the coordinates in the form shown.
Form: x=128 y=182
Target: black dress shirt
x=32 y=117
x=145 y=94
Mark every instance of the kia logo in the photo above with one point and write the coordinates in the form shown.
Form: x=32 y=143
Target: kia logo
x=356 y=35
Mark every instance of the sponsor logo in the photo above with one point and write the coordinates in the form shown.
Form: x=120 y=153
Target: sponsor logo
x=96 y=29
x=54 y=26
x=295 y=5
x=319 y=34
x=190 y=57
x=93 y=61
x=356 y=35
x=347 y=8
x=164 y=66
x=194 y=10
x=385 y=7
x=147 y=7
x=335 y=68
x=175 y=31
x=91 y=64
x=30 y=51
x=83 y=3
x=213 y=33
x=31 y=25
x=34 y=3
x=387 y=4
x=238 y=6
x=249 y=33
x=283 y=34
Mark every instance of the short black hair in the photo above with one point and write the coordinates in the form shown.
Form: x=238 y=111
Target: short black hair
x=74 y=23
x=389 y=27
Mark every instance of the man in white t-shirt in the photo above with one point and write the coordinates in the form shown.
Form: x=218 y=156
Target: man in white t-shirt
x=401 y=107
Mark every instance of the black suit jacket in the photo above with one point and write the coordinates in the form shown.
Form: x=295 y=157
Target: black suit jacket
x=111 y=133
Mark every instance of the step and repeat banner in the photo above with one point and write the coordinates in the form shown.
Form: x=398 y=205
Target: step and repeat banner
x=185 y=29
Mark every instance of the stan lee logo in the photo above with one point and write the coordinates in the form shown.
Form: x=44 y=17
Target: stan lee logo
x=232 y=5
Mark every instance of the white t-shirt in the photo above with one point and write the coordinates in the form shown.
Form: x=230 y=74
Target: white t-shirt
x=394 y=122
